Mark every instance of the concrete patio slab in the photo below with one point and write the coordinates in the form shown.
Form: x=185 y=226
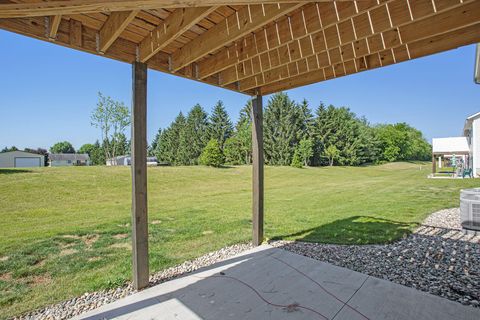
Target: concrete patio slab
x=270 y=283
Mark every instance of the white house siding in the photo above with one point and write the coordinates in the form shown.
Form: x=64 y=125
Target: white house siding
x=7 y=159
x=60 y=163
x=476 y=146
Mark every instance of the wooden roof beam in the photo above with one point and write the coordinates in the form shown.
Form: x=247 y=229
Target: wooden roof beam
x=54 y=23
x=343 y=46
x=246 y=20
x=177 y=23
x=68 y=7
x=312 y=18
x=254 y=56
x=113 y=28
x=417 y=49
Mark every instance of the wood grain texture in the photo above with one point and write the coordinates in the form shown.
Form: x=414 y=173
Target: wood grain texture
x=113 y=28
x=257 y=170
x=67 y=7
x=139 y=176
x=177 y=23
x=245 y=20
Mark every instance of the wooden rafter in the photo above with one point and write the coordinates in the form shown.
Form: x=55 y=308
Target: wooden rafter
x=113 y=28
x=68 y=7
x=301 y=42
x=445 y=21
x=417 y=49
x=312 y=18
x=54 y=23
x=177 y=23
x=246 y=20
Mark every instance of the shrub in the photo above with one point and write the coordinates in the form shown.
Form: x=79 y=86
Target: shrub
x=212 y=154
x=297 y=159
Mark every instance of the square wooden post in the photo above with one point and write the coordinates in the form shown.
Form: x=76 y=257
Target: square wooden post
x=257 y=163
x=434 y=164
x=139 y=176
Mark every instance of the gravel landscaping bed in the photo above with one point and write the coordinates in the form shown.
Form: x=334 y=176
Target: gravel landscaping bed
x=90 y=301
x=437 y=258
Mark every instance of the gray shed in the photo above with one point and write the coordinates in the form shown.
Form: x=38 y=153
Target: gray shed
x=21 y=159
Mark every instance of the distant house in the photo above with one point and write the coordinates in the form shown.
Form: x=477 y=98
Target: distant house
x=68 y=159
x=118 y=161
x=465 y=148
x=21 y=159
x=471 y=131
x=127 y=160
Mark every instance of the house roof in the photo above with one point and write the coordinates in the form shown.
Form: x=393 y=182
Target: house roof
x=250 y=46
x=450 y=145
x=469 y=121
x=22 y=153
x=68 y=156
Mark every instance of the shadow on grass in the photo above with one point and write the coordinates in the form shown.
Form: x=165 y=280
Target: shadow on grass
x=353 y=230
x=13 y=171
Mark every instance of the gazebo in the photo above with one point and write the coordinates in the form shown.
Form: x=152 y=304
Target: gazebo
x=448 y=148
x=255 y=47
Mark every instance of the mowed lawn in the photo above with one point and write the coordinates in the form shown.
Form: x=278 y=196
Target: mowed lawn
x=66 y=231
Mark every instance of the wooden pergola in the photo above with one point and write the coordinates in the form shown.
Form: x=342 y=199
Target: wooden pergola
x=255 y=47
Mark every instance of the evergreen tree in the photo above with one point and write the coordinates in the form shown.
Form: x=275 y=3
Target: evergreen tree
x=153 y=146
x=212 y=154
x=220 y=126
x=195 y=136
x=341 y=128
x=232 y=151
x=307 y=120
x=296 y=160
x=168 y=148
x=97 y=154
x=244 y=133
x=282 y=129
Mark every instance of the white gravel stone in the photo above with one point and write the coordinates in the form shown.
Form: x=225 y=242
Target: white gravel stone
x=437 y=258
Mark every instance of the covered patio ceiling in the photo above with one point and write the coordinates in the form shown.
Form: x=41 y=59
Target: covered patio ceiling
x=251 y=46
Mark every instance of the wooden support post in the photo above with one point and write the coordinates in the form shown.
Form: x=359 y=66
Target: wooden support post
x=257 y=161
x=139 y=176
x=434 y=164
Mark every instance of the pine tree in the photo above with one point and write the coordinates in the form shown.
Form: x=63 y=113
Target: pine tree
x=212 y=154
x=220 y=126
x=307 y=121
x=282 y=129
x=168 y=148
x=296 y=160
x=195 y=137
x=243 y=134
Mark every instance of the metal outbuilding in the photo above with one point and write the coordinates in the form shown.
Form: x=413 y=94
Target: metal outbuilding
x=21 y=159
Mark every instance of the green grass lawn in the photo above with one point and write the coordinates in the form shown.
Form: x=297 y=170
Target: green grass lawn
x=66 y=231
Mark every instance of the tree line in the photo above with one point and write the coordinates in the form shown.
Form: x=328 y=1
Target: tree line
x=294 y=135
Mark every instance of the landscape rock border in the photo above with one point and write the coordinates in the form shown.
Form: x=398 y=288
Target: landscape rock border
x=438 y=258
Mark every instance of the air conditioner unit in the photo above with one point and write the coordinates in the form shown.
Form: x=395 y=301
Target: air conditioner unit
x=470 y=209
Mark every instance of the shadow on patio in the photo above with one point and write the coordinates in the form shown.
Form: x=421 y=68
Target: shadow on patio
x=353 y=230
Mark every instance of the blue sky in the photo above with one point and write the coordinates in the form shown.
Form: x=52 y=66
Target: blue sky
x=48 y=93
